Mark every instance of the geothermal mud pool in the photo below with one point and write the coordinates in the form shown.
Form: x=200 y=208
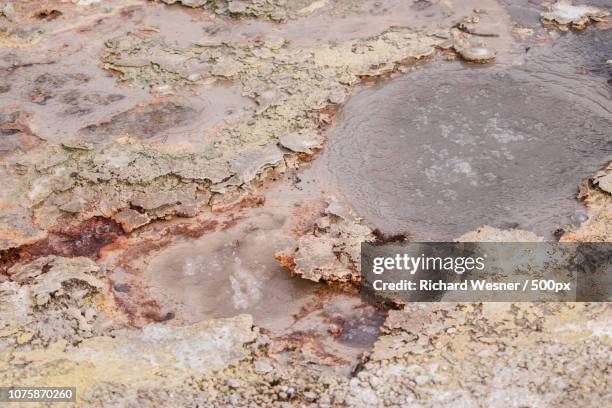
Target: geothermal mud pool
x=453 y=148
x=186 y=185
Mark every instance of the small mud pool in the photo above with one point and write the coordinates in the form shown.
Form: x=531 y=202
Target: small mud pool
x=448 y=148
x=233 y=270
x=229 y=272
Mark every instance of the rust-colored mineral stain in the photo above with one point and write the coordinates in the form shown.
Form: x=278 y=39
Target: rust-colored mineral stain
x=145 y=121
x=129 y=292
x=303 y=218
x=286 y=261
x=250 y=201
x=152 y=312
x=195 y=230
x=85 y=239
x=47 y=14
x=326 y=294
x=15 y=132
x=382 y=238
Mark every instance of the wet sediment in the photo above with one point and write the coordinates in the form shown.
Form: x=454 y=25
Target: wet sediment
x=151 y=185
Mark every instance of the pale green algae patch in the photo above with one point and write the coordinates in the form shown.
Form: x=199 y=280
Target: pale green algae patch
x=276 y=10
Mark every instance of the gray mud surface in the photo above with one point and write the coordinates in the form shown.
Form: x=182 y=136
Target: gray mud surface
x=450 y=147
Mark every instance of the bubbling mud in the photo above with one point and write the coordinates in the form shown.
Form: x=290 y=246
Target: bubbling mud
x=449 y=148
